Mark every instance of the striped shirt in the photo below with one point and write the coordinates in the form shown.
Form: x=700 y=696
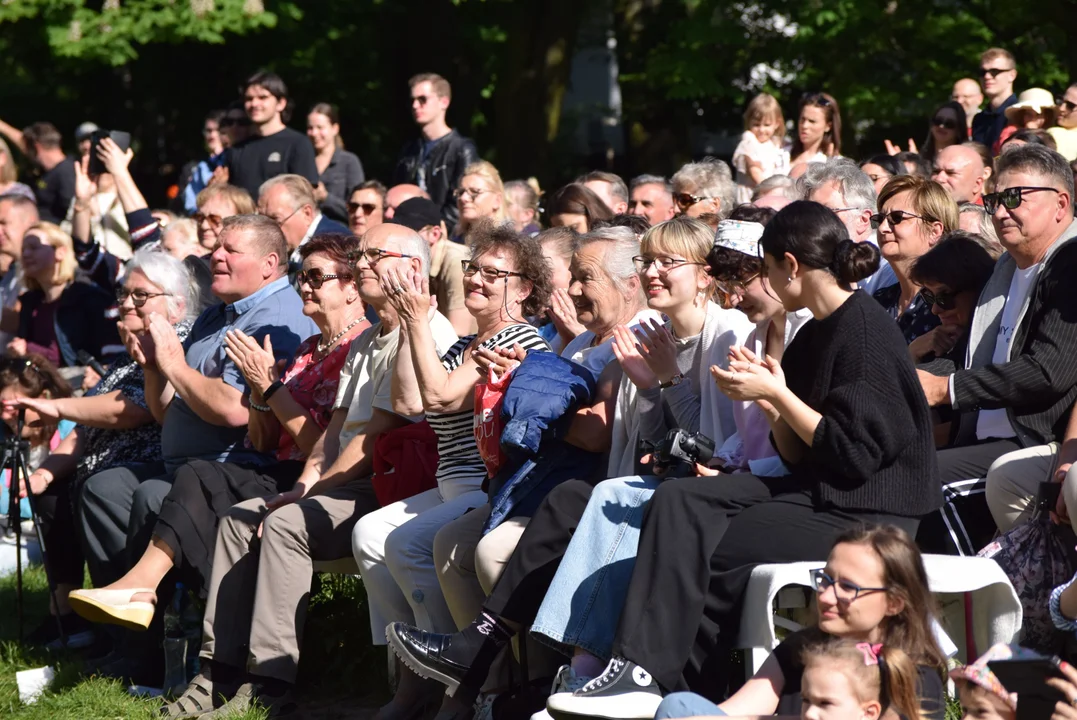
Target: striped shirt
x=459 y=455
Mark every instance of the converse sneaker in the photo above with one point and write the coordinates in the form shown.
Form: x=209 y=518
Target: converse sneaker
x=565 y=681
x=624 y=690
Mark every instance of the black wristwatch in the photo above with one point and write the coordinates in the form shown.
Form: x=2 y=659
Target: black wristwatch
x=277 y=385
x=675 y=380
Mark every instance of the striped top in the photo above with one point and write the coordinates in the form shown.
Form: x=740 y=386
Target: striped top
x=459 y=460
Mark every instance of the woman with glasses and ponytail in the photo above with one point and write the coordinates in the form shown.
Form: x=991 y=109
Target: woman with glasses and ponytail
x=818 y=135
x=506 y=281
x=914 y=213
x=289 y=407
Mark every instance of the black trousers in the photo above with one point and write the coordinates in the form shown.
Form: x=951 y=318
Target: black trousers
x=58 y=530
x=964 y=524
x=700 y=540
x=529 y=572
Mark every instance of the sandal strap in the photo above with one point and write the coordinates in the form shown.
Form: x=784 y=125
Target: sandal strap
x=197 y=698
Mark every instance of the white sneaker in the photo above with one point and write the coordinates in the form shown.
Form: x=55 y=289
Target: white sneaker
x=623 y=690
x=565 y=681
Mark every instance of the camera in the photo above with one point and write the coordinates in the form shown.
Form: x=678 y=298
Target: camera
x=122 y=139
x=677 y=453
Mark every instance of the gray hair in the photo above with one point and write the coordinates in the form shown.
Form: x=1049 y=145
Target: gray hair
x=413 y=244
x=172 y=276
x=710 y=177
x=621 y=246
x=985 y=232
x=853 y=183
x=1038 y=160
x=297 y=187
x=786 y=184
x=652 y=180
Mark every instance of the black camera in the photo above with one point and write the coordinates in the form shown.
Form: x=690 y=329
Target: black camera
x=677 y=453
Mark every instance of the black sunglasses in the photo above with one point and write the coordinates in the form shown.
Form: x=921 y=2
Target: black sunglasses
x=315 y=278
x=815 y=99
x=944 y=122
x=421 y=99
x=367 y=207
x=1064 y=104
x=945 y=300
x=896 y=217
x=1010 y=198
x=993 y=72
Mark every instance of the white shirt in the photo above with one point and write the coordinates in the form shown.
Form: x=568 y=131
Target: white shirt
x=296 y=257
x=995 y=423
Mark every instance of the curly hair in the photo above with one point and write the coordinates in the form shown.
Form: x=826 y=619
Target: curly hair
x=527 y=258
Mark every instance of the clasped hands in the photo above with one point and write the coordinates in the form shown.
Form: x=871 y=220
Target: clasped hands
x=750 y=377
x=156 y=347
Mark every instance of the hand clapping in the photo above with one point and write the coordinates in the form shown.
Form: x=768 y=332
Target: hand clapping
x=748 y=377
x=257 y=363
x=408 y=293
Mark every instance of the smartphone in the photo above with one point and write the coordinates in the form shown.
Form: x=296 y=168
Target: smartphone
x=1028 y=678
x=121 y=138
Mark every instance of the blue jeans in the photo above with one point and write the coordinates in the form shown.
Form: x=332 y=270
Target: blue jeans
x=686 y=705
x=583 y=605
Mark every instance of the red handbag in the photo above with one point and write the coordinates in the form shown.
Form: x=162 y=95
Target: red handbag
x=489 y=397
x=405 y=462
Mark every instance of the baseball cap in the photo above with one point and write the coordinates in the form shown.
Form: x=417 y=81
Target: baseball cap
x=85 y=130
x=416 y=213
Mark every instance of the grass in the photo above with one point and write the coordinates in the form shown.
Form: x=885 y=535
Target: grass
x=340 y=675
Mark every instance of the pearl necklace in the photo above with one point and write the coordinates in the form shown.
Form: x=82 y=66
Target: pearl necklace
x=332 y=341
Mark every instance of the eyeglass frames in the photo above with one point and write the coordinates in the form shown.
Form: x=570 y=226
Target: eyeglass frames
x=944 y=122
x=138 y=297
x=737 y=287
x=1011 y=198
x=687 y=200
x=215 y=221
x=315 y=278
x=283 y=220
x=373 y=255
x=896 y=217
x=662 y=263
x=473 y=193
x=945 y=300
x=844 y=591
x=489 y=274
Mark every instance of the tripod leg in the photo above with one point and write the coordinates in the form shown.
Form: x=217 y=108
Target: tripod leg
x=20 y=459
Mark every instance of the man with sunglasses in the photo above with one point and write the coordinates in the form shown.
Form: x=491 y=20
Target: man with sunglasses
x=1065 y=134
x=1019 y=382
x=289 y=201
x=434 y=161
x=998 y=70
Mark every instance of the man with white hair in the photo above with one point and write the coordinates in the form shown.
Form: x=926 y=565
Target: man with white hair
x=704 y=188
x=289 y=201
x=847 y=190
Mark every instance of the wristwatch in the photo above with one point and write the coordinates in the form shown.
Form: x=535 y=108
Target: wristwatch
x=675 y=380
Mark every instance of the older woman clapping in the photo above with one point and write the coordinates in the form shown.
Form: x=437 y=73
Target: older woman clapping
x=287 y=415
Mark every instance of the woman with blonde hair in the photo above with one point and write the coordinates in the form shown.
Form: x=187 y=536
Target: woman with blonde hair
x=9 y=174
x=481 y=194
x=60 y=316
x=914 y=213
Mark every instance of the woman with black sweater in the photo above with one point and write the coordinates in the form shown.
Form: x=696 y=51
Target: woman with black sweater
x=849 y=419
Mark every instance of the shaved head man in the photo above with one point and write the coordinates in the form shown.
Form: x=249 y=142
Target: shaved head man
x=961 y=170
x=968 y=95
x=398 y=194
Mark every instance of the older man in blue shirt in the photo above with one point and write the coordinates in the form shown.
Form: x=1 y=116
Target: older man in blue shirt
x=195 y=391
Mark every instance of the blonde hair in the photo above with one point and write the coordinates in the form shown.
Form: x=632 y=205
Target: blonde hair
x=64 y=271
x=893 y=664
x=999 y=54
x=8 y=172
x=684 y=236
x=489 y=173
x=240 y=198
x=765 y=106
x=927 y=197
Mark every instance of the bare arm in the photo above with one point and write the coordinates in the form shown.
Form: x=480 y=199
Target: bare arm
x=14 y=135
x=159 y=392
x=287 y=414
x=211 y=399
x=592 y=427
x=441 y=391
x=114 y=410
x=62 y=462
x=404 y=386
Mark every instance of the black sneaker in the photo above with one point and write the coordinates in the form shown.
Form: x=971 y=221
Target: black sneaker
x=424 y=653
x=623 y=690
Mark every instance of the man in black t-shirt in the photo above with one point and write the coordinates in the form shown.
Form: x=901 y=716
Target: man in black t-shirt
x=274 y=149
x=55 y=188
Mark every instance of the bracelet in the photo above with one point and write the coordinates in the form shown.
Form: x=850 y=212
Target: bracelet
x=259 y=408
x=277 y=385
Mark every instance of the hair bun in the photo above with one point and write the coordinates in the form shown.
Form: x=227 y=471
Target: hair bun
x=854 y=261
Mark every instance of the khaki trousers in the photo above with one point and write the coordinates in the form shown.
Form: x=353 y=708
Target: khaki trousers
x=1014 y=480
x=258 y=593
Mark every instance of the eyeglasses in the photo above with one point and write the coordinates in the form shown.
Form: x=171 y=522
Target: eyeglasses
x=367 y=208
x=421 y=99
x=945 y=300
x=138 y=297
x=844 y=591
x=472 y=192
x=373 y=255
x=896 y=217
x=944 y=122
x=1010 y=198
x=283 y=220
x=687 y=200
x=315 y=278
x=993 y=72
x=489 y=274
x=662 y=263
x=841 y=210
x=737 y=287
x=215 y=221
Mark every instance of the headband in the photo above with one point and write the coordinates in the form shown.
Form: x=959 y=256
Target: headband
x=738 y=235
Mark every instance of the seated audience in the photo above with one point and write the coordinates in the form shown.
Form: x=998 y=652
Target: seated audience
x=180 y=239
x=59 y=315
x=258 y=591
x=960 y=169
x=880 y=168
x=288 y=200
x=775 y=192
x=577 y=207
x=17 y=215
x=899 y=619
x=506 y=280
x=652 y=198
x=914 y=164
x=610 y=188
x=522 y=207
x=1018 y=385
x=913 y=214
x=216 y=204
x=367 y=207
x=558 y=324
x=1034 y=110
x=704 y=188
x=288 y=412
x=1065 y=133
x=479 y=196
x=399 y=194
x=1028 y=136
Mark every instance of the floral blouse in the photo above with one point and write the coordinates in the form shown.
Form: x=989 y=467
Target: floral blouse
x=313 y=384
x=917 y=319
x=107 y=448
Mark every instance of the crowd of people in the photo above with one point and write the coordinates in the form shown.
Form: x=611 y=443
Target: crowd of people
x=584 y=436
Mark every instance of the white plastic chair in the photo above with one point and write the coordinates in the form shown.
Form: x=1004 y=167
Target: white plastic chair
x=996 y=611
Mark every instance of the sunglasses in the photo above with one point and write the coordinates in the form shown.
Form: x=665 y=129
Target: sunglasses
x=473 y=193
x=896 y=217
x=945 y=122
x=993 y=72
x=489 y=274
x=315 y=278
x=687 y=200
x=815 y=99
x=421 y=99
x=138 y=297
x=1064 y=104
x=945 y=300
x=215 y=221
x=367 y=208
x=1010 y=198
